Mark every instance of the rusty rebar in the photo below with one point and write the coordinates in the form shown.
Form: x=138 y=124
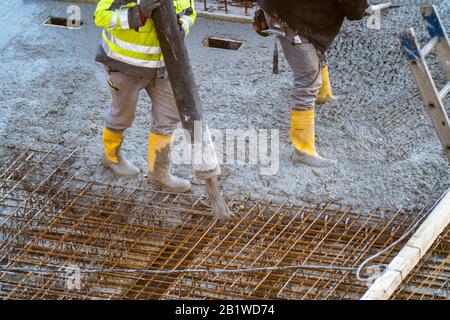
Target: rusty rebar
x=430 y=279
x=52 y=216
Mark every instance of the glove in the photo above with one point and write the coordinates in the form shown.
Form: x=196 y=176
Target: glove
x=184 y=26
x=147 y=7
x=260 y=23
x=369 y=11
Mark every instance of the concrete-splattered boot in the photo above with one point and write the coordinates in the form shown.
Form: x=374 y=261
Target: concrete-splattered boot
x=112 y=155
x=159 y=148
x=303 y=140
x=325 y=93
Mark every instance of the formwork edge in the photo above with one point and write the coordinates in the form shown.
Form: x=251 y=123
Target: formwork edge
x=411 y=253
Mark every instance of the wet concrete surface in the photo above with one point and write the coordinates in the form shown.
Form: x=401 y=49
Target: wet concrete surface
x=378 y=130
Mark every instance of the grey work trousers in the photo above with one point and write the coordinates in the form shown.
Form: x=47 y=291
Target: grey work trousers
x=125 y=91
x=305 y=62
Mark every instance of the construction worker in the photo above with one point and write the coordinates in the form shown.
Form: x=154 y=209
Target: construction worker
x=309 y=28
x=133 y=61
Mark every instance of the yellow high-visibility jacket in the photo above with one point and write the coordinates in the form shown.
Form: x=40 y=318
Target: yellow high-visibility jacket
x=126 y=40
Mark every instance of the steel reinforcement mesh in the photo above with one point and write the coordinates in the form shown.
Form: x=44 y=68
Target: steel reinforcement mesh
x=65 y=236
x=431 y=277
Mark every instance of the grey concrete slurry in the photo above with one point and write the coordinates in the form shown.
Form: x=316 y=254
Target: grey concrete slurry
x=388 y=152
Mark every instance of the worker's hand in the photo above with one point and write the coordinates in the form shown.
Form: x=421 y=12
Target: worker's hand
x=369 y=11
x=184 y=26
x=147 y=7
x=260 y=23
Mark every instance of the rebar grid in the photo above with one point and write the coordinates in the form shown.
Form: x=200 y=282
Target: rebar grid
x=52 y=217
x=430 y=279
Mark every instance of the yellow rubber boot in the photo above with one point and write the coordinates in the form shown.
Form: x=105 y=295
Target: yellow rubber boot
x=303 y=140
x=159 y=147
x=112 y=155
x=325 y=93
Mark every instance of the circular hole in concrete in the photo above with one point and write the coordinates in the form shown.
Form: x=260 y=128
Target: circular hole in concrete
x=222 y=43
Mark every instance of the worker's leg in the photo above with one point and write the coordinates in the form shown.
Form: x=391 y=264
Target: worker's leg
x=119 y=116
x=305 y=63
x=165 y=119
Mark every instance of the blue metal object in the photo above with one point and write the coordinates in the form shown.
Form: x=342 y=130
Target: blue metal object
x=410 y=45
x=434 y=24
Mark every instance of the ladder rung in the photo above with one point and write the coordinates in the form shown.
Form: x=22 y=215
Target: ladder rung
x=445 y=91
x=430 y=45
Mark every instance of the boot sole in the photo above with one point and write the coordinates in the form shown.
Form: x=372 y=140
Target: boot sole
x=325 y=101
x=174 y=190
x=107 y=164
x=316 y=162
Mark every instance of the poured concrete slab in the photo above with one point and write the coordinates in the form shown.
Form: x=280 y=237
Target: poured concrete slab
x=388 y=152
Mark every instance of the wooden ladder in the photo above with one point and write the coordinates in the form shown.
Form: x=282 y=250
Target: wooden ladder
x=432 y=97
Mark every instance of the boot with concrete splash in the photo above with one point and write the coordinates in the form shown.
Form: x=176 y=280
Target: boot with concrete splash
x=113 y=157
x=303 y=140
x=159 y=147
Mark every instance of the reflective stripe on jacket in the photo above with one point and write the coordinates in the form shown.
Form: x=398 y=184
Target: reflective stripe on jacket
x=126 y=39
